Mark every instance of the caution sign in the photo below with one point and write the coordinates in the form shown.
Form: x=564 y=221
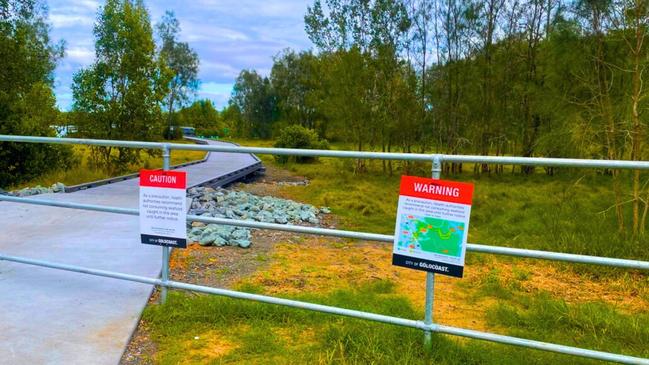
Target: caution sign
x=163 y=208
x=432 y=225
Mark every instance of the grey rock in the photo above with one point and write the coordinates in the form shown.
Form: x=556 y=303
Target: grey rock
x=58 y=187
x=243 y=243
x=304 y=215
x=196 y=231
x=241 y=234
x=224 y=203
x=219 y=241
x=207 y=239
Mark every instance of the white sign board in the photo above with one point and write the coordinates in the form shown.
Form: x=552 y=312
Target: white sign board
x=163 y=208
x=432 y=225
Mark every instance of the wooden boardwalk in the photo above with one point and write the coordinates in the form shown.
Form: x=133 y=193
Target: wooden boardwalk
x=56 y=317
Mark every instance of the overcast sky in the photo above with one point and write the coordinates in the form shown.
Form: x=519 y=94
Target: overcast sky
x=228 y=35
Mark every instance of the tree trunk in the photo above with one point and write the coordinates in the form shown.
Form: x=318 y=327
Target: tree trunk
x=637 y=134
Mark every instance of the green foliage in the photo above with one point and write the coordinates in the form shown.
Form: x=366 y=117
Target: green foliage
x=200 y=115
x=296 y=136
x=172 y=133
x=298 y=87
x=27 y=104
x=530 y=78
x=181 y=61
x=119 y=96
x=253 y=97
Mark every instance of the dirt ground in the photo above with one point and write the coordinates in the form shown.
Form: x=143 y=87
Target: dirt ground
x=285 y=263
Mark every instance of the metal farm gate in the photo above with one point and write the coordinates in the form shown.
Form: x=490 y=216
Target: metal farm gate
x=427 y=325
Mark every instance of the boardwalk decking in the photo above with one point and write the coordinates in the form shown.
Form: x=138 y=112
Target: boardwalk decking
x=55 y=317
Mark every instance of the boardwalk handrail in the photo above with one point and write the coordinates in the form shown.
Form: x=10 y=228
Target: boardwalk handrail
x=427 y=325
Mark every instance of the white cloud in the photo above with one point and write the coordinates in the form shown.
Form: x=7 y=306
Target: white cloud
x=228 y=35
x=255 y=8
x=70 y=20
x=219 y=93
x=213 y=69
x=197 y=32
x=88 y=4
x=81 y=55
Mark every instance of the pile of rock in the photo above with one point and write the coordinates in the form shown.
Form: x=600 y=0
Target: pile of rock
x=55 y=188
x=222 y=203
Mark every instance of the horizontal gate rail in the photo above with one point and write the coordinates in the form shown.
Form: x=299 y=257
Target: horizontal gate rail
x=498 y=160
x=457 y=331
x=427 y=325
x=498 y=250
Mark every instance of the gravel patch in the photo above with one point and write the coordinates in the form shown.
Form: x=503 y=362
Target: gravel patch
x=223 y=203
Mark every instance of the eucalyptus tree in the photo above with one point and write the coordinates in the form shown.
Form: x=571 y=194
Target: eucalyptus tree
x=254 y=97
x=120 y=95
x=201 y=114
x=296 y=80
x=631 y=22
x=366 y=38
x=183 y=63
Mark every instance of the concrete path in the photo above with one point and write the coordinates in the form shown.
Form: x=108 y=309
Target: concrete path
x=55 y=317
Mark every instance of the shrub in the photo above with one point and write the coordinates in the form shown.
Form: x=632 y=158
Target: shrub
x=172 y=133
x=20 y=162
x=296 y=136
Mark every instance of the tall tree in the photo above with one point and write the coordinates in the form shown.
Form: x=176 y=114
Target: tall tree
x=362 y=41
x=631 y=17
x=201 y=115
x=27 y=104
x=596 y=22
x=254 y=97
x=120 y=95
x=295 y=79
x=183 y=63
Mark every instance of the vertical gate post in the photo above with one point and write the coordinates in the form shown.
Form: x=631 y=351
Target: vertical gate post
x=166 y=154
x=430 y=277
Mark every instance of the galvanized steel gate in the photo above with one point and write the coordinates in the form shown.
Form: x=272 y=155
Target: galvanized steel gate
x=427 y=325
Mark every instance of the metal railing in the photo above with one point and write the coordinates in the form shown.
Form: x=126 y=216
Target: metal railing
x=427 y=325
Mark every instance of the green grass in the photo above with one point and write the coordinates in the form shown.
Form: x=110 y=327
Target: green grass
x=591 y=325
x=269 y=334
x=568 y=212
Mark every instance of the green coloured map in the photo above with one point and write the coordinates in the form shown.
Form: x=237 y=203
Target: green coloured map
x=431 y=235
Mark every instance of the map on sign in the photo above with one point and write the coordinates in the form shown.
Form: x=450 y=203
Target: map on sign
x=431 y=235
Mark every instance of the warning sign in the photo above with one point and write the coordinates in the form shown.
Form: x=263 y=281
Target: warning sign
x=432 y=225
x=163 y=208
